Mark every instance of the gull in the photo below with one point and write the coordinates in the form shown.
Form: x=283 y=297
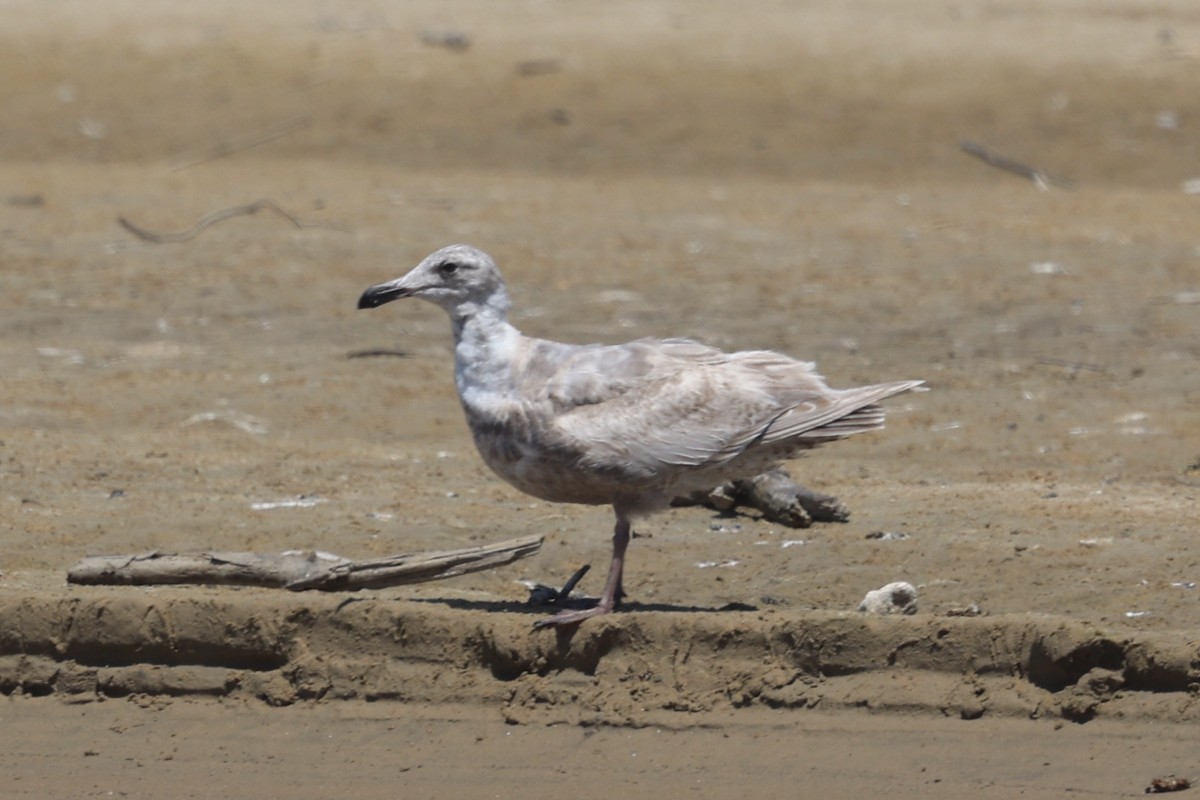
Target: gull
x=629 y=425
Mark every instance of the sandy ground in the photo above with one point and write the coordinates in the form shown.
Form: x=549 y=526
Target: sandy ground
x=780 y=175
x=190 y=750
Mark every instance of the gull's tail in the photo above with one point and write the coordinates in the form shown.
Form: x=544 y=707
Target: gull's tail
x=855 y=411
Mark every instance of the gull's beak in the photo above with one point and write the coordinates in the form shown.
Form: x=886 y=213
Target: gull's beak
x=385 y=293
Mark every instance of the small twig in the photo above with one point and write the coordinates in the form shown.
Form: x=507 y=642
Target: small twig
x=1040 y=177
x=1073 y=366
x=377 y=352
x=240 y=143
x=542 y=595
x=213 y=219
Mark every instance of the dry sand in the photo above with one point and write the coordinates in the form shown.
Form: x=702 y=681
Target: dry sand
x=775 y=175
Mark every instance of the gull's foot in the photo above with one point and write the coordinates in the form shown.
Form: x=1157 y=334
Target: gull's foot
x=572 y=617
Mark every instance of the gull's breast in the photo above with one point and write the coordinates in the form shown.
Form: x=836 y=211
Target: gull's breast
x=520 y=445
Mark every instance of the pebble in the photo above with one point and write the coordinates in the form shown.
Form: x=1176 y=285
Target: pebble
x=895 y=598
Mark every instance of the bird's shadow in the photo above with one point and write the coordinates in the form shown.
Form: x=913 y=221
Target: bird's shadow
x=540 y=610
x=565 y=634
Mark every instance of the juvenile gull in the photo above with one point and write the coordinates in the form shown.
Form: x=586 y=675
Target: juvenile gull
x=631 y=425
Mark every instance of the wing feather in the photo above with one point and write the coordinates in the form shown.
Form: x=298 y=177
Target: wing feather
x=653 y=404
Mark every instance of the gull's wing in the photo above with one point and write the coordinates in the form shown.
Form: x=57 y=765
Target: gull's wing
x=651 y=404
x=581 y=375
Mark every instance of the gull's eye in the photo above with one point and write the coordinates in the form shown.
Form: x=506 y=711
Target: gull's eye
x=447 y=268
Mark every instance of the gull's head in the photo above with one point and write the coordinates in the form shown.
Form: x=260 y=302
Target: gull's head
x=459 y=278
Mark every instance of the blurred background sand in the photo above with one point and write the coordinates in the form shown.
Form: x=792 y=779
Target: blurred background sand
x=782 y=175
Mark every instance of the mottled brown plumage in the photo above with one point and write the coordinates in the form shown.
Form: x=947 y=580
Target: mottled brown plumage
x=630 y=425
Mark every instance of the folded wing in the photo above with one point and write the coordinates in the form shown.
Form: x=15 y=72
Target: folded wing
x=651 y=405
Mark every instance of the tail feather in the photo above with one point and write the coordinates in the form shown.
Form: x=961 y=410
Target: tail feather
x=861 y=420
x=855 y=411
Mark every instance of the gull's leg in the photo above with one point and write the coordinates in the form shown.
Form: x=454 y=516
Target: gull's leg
x=613 y=590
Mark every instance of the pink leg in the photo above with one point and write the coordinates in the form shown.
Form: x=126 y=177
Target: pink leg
x=613 y=590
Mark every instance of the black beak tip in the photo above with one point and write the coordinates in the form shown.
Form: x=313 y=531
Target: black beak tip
x=375 y=297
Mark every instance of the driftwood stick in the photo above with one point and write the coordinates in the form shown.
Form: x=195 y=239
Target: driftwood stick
x=1043 y=179
x=297 y=569
x=777 y=496
x=782 y=500
x=212 y=219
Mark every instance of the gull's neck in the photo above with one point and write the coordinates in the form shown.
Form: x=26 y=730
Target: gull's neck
x=486 y=347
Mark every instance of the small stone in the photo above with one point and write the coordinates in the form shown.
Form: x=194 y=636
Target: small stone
x=895 y=598
x=972 y=709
